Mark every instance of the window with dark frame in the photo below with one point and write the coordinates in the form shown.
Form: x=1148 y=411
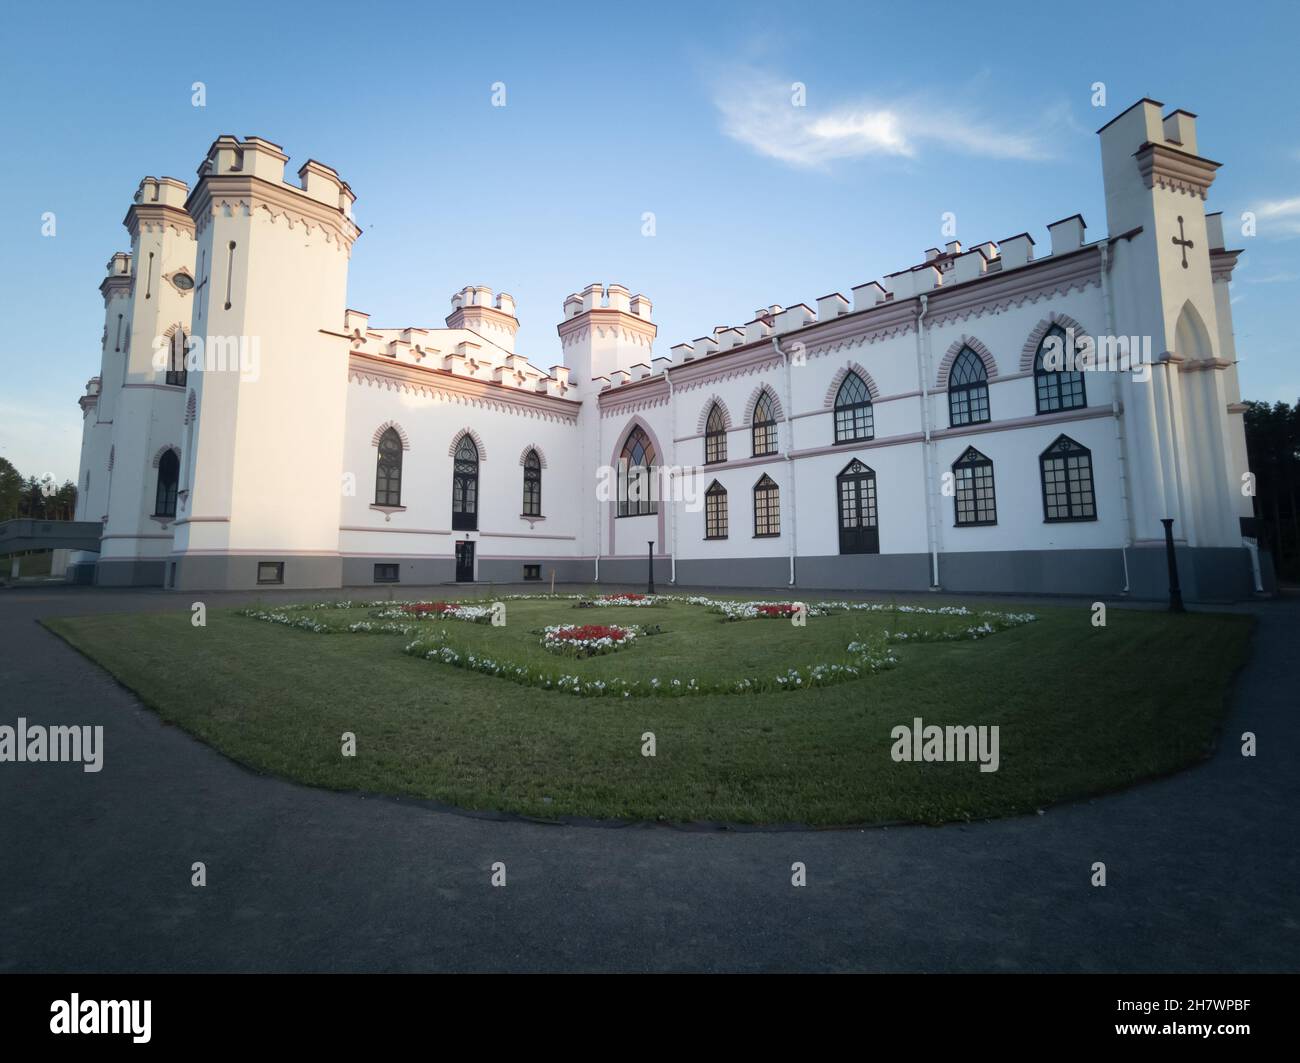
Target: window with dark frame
x=387 y=573
x=637 y=495
x=1066 y=471
x=763 y=429
x=270 y=572
x=388 y=470
x=176 y=372
x=532 y=572
x=464 y=486
x=532 y=485
x=715 y=437
x=1062 y=389
x=767 y=508
x=968 y=390
x=169 y=474
x=715 y=511
x=854 y=418
x=975 y=499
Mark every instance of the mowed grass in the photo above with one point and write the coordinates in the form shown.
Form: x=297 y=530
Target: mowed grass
x=1081 y=710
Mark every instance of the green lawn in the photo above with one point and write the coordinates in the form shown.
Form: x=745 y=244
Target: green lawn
x=1080 y=709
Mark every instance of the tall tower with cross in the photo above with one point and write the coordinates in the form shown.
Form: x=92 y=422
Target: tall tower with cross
x=1165 y=260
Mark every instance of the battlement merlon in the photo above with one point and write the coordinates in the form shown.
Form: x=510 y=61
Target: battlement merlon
x=159 y=202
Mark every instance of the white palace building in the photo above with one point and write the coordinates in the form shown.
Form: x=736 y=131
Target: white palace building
x=1001 y=417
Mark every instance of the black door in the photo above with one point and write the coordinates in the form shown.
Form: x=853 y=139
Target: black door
x=464 y=562
x=859 y=532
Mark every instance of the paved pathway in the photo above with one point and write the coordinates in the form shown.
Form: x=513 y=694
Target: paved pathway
x=1204 y=867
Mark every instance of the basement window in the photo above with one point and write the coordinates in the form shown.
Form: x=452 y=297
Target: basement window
x=270 y=572
x=387 y=574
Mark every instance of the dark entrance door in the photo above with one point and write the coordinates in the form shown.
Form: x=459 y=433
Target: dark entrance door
x=464 y=562
x=859 y=532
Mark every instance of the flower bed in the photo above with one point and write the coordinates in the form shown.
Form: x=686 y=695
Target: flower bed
x=635 y=601
x=473 y=614
x=587 y=640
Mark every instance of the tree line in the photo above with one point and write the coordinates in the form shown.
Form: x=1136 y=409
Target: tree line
x=1273 y=450
x=35 y=497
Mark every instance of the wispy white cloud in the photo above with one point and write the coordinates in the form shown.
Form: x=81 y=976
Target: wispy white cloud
x=1278 y=217
x=759 y=110
x=1274 y=278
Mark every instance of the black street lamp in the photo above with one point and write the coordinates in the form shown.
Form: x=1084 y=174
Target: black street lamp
x=1175 y=591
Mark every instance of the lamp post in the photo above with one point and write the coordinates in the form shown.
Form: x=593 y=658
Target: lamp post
x=650 y=586
x=1175 y=591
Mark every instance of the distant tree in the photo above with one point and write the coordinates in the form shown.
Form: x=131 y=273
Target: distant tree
x=1273 y=449
x=11 y=490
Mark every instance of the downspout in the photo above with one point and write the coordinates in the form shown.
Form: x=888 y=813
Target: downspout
x=927 y=446
x=673 y=475
x=596 y=408
x=1120 y=443
x=789 y=459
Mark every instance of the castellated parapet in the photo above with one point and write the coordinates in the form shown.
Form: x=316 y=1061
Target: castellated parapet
x=474 y=308
x=606 y=330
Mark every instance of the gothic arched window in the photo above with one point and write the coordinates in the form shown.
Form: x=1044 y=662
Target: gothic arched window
x=1057 y=389
x=464 y=486
x=854 y=421
x=176 y=373
x=715 y=511
x=764 y=426
x=767 y=508
x=856 y=493
x=169 y=474
x=715 y=437
x=532 y=485
x=975 y=500
x=388 y=470
x=968 y=390
x=637 y=494
x=1066 y=469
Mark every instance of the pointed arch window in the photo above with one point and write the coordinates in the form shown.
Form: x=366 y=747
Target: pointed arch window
x=464 y=486
x=532 y=485
x=859 y=527
x=1066 y=468
x=169 y=474
x=715 y=511
x=975 y=499
x=767 y=508
x=968 y=390
x=176 y=374
x=854 y=419
x=1057 y=389
x=388 y=470
x=637 y=494
x=764 y=426
x=715 y=437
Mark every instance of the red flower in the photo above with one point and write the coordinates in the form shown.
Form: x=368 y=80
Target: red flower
x=427 y=607
x=587 y=632
x=622 y=597
x=776 y=610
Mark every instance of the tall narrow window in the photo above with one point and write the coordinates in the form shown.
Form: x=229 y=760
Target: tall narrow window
x=532 y=485
x=637 y=494
x=464 y=487
x=715 y=511
x=1067 y=481
x=1057 y=389
x=388 y=470
x=767 y=508
x=176 y=374
x=853 y=415
x=859 y=528
x=968 y=390
x=764 y=426
x=715 y=437
x=975 y=499
x=169 y=472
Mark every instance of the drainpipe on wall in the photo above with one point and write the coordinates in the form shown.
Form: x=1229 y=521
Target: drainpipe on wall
x=598 y=509
x=927 y=446
x=672 y=498
x=789 y=459
x=1120 y=443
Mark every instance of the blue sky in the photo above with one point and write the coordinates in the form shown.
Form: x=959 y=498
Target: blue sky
x=614 y=111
